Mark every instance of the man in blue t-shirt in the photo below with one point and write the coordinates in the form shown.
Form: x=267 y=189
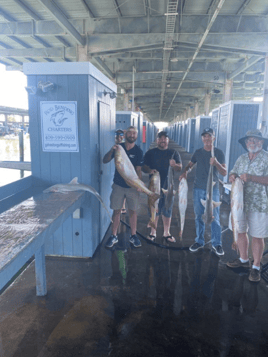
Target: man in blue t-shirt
x=202 y=158
x=121 y=191
x=159 y=159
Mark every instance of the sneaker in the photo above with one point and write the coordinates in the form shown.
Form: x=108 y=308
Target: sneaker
x=134 y=240
x=238 y=264
x=194 y=247
x=112 y=240
x=255 y=275
x=218 y=250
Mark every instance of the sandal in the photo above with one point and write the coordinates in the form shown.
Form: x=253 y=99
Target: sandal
x=167 y=238
x=151 y=237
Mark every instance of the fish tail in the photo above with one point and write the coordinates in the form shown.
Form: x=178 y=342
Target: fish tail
x=104 y=206
x=234 y=246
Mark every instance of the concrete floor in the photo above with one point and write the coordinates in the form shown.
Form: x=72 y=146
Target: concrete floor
x=149 y=301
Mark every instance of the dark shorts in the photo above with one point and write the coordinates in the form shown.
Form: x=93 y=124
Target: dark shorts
x=161 y=207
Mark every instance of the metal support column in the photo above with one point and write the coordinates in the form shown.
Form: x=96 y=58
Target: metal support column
x=228 y=90
x=207 y=103
x=189 y=112
x=196 y=108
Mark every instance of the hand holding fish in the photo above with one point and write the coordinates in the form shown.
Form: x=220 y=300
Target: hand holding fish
x=153 y=171
x=246 y=177
x=213 y=161
x=183 y=176
x=172 y=162
x=232 y=178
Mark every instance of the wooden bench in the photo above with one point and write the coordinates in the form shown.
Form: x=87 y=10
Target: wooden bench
x=24 y=229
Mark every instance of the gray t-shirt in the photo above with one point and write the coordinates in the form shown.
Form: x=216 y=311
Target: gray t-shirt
x=202 y=157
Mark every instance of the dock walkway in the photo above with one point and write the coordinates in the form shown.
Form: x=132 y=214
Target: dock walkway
x=148 y=301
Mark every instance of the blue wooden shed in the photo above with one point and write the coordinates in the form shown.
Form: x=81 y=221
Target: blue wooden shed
x=124 y=119
x=215 y=123
x=191 y=135
x=181 y=133
x=72 y=124
x=235 y=119
x=201 y=123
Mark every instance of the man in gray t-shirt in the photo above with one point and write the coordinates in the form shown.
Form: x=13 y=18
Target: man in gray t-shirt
x=202 y=158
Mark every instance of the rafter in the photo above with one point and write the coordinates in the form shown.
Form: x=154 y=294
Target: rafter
x=63 y=21
x=243 y=6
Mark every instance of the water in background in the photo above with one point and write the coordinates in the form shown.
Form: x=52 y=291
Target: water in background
x=9 y=151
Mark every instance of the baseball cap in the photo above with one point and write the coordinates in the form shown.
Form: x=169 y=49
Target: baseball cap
x=119 y=131
x=162 y=133
x=209 y=131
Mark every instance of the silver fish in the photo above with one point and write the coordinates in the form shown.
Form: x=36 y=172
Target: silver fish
x=75 y=186
x=209 y=204
x=154 y=186
x=170 y=192
x=129 y=174
x=237 y=207
x=183 y=199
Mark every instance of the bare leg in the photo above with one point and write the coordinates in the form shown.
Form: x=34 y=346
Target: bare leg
x=167 y=222
x=257 y=250
x=133 y=221
x=116 y=221
x=242 y=243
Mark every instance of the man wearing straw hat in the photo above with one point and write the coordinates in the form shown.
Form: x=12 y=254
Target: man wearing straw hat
x=252 y=168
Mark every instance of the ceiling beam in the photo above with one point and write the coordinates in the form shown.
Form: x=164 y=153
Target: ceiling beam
x=104 y=67
x=6 y=16
x=117 y=8
x=27 y=10
x=63 y=21
x=250 y=62
x=84 y=3
x=243 y=6
x=57 y=52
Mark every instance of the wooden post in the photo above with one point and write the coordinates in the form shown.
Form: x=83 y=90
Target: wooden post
x=40 y=272
x=21 y=147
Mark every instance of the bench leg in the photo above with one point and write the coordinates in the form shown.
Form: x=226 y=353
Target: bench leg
x=40 y=272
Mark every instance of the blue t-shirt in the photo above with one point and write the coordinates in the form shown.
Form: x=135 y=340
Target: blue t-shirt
x=135 y=156
x=202 y=157
x=158 y=160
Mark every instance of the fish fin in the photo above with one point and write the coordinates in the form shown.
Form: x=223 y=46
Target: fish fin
x=154 y=197
x=174 y=192
x=203 y=202
x=74 y=181
x=216 y=204
x=214 y=183
x=165 y=191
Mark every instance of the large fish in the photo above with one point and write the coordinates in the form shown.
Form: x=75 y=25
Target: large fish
x=209 y=204
x=182 y=198
x=129 y=174
x=237 y=207
x=75 y=186
x=170 y=192
x=154 y=186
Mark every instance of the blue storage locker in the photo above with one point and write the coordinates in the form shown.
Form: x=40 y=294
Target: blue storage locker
x=185 y=134
x=201 y=123
x=235 y=119
x=182 y=134
x=215 y=123
x=145 y=137
x=84 y=87
x=140 y=129
x=191 y=135
x=124 y=119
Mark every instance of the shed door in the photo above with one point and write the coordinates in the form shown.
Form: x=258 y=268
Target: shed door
x=106 y=140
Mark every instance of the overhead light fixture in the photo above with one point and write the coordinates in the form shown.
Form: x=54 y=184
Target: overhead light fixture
x=171 y=13
x=167 y=48
x=174 y=59
x=168 y=84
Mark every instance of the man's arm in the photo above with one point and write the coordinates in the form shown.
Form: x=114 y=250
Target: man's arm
x=109 y=155
x=175 y=166
x=147 y=170
x=220 y=167
x=138 y=170
x=263 y=180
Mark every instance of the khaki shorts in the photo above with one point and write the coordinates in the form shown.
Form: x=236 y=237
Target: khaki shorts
x=120 y=193
x=255 y=223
